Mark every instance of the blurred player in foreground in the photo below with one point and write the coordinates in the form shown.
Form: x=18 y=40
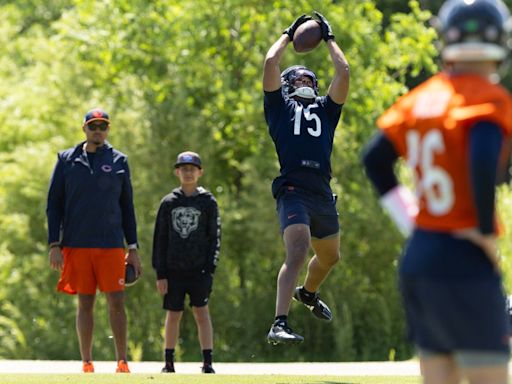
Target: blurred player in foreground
x=302 y=126
x=453 y=131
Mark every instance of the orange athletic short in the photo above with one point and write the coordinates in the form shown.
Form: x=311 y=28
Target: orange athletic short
x=86 y=269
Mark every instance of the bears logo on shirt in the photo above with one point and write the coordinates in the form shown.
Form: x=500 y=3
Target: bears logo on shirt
x=185 y=220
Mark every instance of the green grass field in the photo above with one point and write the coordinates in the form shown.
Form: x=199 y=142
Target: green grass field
x=199 y=379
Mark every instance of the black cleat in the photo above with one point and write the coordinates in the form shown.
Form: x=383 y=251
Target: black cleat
x=168 y=368
x=207 y=368
x=314 y=304
x=281 y=333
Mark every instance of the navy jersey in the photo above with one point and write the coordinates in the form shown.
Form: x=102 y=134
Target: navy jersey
x=91 y=205
x=303 y=137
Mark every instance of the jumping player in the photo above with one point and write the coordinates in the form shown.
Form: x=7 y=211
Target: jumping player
x=302 y=126
x=453 y=131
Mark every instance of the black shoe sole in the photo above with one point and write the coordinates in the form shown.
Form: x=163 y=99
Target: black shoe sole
x=322 y=318
x=311 y=310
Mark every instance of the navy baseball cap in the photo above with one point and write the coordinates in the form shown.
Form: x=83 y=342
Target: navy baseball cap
x=188 y=158
x=96 y=114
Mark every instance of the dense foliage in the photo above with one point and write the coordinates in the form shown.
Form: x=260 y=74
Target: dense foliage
x=178 y=75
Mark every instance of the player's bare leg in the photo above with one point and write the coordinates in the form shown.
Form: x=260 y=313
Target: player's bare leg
x=489 y=374
x=439 y=369
x=85 y=325
x=118 y=323
x=326 y=256
x=297 y=240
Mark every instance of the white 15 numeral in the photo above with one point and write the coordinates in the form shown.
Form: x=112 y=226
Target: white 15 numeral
x=435 y=184
x=309 y=117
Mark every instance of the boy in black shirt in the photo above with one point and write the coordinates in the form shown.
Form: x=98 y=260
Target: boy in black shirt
x=185 y=253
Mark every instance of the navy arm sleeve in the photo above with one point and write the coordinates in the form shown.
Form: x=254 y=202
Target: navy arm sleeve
x=273 y=100
x=214 y=234
x=379 y=157
x=55 y=202
x=485 y=142
x=160 y=242
x=273 y=104
x=127 y=208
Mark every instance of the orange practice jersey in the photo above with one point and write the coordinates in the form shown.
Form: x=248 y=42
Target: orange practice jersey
x=429 y=127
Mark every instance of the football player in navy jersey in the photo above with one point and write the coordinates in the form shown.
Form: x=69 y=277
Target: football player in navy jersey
x=302 y=124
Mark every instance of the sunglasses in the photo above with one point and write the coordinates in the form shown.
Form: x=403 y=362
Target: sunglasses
x=101 y=126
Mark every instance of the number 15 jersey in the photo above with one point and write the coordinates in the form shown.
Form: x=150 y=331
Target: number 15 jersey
x=303 y=137
x=429 y=127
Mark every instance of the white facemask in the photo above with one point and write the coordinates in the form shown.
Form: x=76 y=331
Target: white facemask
x=304 y=92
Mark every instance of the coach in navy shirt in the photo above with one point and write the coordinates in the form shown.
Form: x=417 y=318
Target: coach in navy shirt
x=302 y=124
x=90 y=216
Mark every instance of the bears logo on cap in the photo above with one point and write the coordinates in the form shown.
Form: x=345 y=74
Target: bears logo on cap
x=188 y=157
x=96 y=114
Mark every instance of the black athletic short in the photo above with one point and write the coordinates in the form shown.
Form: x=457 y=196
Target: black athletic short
x=296 y=206
x=197 y=287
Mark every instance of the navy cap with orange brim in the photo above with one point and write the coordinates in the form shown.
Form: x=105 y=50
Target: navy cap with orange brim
x=95 y=115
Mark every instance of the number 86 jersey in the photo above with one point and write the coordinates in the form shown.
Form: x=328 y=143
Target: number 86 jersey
x=429 y=127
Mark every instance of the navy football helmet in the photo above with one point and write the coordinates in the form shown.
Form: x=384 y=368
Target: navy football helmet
x=288 y=77
x=474 y=30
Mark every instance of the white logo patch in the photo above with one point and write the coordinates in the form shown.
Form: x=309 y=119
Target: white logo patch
x=185 y=220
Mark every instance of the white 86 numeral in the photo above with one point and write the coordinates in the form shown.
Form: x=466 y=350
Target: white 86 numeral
x=435 y=184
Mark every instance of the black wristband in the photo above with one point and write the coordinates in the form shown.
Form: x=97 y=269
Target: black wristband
x=54 y=245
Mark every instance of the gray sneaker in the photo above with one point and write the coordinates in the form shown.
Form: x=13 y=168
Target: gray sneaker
x=281 y=333
x=314 y=304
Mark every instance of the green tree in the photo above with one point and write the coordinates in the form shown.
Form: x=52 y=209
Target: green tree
x=187 y=75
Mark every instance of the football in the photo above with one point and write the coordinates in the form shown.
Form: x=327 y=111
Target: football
x=307 y=36
x=130 y=276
